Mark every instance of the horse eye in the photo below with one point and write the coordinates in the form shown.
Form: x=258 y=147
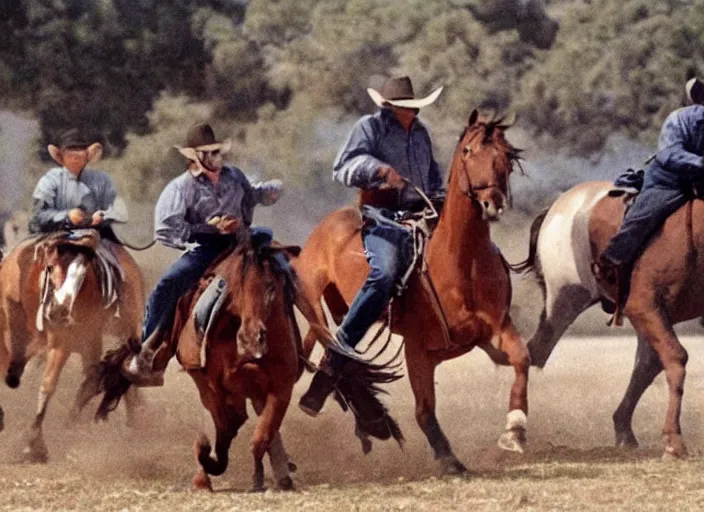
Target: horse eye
x=466 y=150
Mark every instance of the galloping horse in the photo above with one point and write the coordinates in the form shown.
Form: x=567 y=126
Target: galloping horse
x=666 y=288
x=467 y=271
x=51 y=298
x=251 y=350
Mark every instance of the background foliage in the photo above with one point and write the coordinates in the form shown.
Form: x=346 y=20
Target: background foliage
x=286 y=78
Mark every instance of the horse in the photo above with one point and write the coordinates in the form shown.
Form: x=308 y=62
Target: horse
x=665 y=290
x=470 y=278
x=52 y=300
x=252 y=351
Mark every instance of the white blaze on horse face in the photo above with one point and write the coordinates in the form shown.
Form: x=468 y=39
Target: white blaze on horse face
x=75 y=275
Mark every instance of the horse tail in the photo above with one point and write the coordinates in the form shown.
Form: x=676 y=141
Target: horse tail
x=111 y=381
x=202 y=450
x=358 y=389
x=529 y=264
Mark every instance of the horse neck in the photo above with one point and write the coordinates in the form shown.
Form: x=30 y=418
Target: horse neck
x=461 y=228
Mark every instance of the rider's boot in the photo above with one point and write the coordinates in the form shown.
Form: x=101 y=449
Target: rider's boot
x=139 y=369
x=321 y=387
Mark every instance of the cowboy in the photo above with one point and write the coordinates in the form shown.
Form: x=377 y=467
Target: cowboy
x=71 y=196
x=197 y=211
x=384 y=151
x=669 y=182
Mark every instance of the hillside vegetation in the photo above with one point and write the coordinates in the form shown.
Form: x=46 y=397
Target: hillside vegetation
x=285 y=78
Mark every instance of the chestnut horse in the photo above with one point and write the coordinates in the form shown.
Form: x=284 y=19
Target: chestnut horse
x=469 y=274
x=76 y=317
x=252 y=351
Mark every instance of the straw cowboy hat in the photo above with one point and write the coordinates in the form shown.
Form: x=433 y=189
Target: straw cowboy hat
x=695 y=90
x=201 y=138
x=74 y=139
x=399 y=92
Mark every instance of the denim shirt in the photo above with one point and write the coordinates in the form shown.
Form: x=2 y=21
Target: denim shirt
x=379 y=139
x=59 y=191
x=679 y=160
x=188 y=202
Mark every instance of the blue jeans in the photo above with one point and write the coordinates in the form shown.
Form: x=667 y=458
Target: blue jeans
x=653 y=205
x=388 y=250
x=178 y=279
x=185 y=272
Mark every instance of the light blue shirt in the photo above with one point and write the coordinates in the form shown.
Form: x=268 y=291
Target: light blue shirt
x=59 y=191
x=379 y=139
x=681 y=146
x=188 y=202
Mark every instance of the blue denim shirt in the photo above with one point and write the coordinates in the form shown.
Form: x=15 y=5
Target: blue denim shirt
x=59 y=191
x=188 y=202
x=379 y=139
x=679 y=159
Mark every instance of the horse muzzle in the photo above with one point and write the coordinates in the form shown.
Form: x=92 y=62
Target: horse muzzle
x=251 y=343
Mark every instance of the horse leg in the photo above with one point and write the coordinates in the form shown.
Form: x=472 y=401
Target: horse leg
x=228 y=417
x=20 y=337
x=280 y=462
x=421 y=373
x=90 y=387
x=512 y=344
x=657 y=331
x=561 y=307
x=647 y=366
x=36 y=450
x=268 y=424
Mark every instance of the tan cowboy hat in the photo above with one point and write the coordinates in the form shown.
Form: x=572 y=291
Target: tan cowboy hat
x=200 y=137
x=74 y=139
x=399 y=92
x=695 y=90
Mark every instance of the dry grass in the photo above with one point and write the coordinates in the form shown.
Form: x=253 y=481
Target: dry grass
x=569 y=463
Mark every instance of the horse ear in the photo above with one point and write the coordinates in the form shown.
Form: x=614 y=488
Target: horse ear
x=508 y=120
x=473 y=117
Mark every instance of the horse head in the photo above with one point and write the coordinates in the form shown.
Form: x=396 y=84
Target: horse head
x=253 y=300
x=65 y=268
x=482 y=164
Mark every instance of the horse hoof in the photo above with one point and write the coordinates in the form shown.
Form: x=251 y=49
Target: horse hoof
x=627 y=441
x=675 y=448
x=259 y=488
x=285 y=484
x=12 y=381
x=452 y=466
x=34 y=456
x=292 y=467
x=512 y=441
x=201 y=482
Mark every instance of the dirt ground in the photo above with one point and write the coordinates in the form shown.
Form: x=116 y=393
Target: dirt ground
x=569 y=461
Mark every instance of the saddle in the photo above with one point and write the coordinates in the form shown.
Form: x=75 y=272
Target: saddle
x=419 y=225
x=48 y=249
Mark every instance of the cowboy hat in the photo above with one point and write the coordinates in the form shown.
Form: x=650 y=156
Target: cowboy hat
x=201 y=138
x=695 y=90
x=75 y=139
x=399 y=92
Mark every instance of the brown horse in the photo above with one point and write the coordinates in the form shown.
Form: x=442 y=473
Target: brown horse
x=62 y=274
x=666 y=288
x=252 y=352
x=467 y=271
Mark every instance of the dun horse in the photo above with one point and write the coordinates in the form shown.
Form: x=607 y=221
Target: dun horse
x=666 y=288
x=51 y=299
x=468 y=272
x=251 y=351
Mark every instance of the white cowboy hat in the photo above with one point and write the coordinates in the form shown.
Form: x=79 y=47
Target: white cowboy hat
x=399 y=92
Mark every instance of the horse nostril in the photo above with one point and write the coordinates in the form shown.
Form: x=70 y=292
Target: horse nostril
x=485 y=204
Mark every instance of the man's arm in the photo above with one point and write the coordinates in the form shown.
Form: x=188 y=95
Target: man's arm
x=673 y=153
x=355 y=165
x=170 y=226
x=45 y=216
